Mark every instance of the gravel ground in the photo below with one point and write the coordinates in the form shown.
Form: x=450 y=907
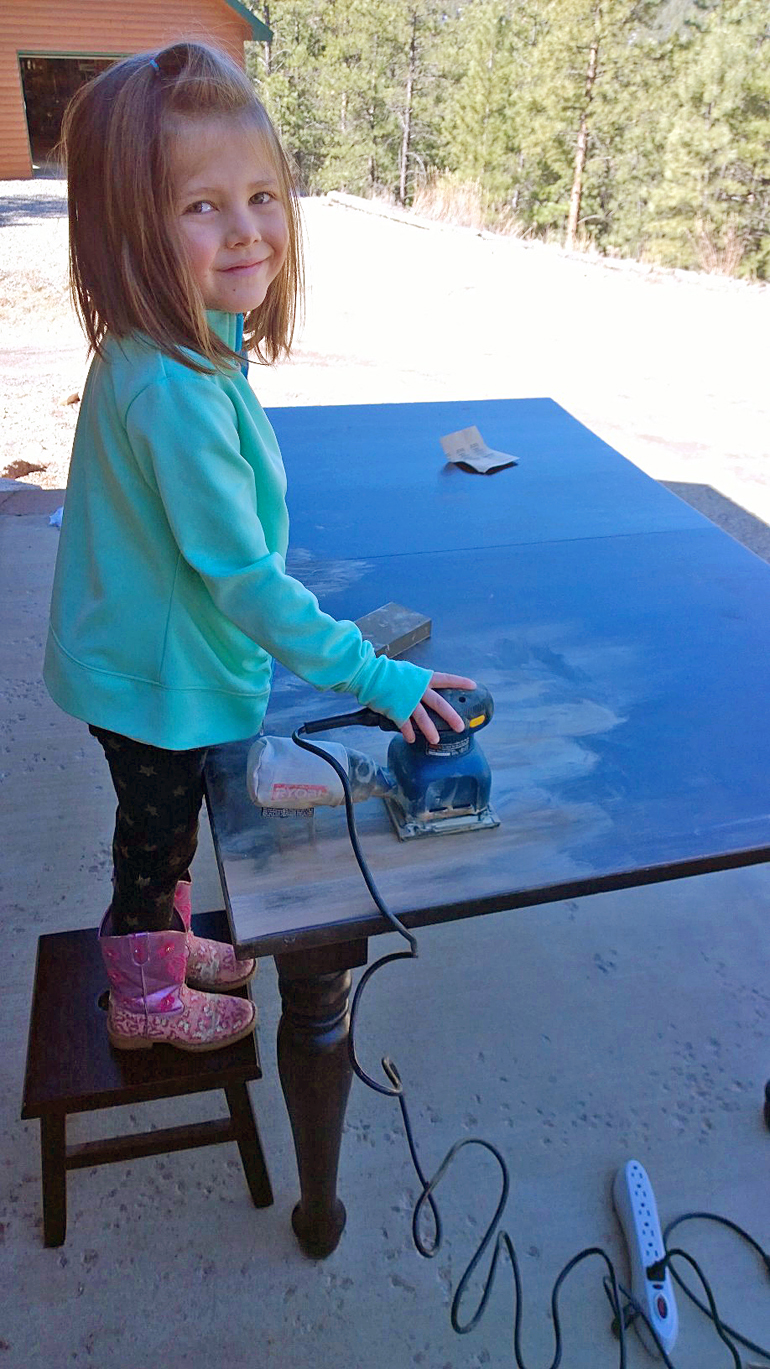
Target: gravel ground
x=669 y=367
x=41 y=347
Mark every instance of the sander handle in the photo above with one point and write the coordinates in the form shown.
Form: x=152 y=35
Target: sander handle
x=474 y=706
x=362 y=717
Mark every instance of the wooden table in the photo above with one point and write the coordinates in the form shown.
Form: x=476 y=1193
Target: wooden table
x=625 y=641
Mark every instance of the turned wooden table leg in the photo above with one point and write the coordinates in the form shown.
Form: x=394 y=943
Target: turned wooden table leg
x=315 y=1076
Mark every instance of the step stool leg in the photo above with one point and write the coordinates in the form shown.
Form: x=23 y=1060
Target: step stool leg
x=249 y=1145
x=52 y=1152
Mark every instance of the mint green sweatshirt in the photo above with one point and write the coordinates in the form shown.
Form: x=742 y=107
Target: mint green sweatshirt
x=171 y=594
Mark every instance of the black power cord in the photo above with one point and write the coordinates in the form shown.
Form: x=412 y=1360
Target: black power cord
x=732 y=1226
x=623 y=1314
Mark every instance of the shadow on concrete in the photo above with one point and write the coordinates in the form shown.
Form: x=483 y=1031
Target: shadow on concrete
x=30 y=208
x=731 y=518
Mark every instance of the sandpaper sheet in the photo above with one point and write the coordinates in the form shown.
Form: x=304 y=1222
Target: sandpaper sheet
x=468 y=449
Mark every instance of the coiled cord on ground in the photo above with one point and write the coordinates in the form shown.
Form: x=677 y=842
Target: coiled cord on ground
x=624 y=1313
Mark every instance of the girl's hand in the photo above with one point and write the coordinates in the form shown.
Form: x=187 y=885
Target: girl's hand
x=423 y=721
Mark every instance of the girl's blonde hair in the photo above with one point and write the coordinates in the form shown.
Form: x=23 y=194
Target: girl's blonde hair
x=128 y=271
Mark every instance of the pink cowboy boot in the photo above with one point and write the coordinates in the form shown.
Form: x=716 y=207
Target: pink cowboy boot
x=210 y=964
x=150 y=1004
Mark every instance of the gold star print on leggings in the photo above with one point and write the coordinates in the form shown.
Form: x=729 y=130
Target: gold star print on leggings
x=156 y=828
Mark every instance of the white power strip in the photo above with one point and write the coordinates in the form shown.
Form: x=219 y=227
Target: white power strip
x=634 y=1203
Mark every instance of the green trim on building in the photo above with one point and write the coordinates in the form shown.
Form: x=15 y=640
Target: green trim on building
x=260 y=31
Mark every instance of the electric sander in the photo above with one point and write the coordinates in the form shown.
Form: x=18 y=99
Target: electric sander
x=443 y=787
x=428 y=789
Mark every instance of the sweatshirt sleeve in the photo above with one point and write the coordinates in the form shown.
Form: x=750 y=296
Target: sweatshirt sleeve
x=184 y=434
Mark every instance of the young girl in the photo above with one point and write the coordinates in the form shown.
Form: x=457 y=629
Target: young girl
x=171 y=595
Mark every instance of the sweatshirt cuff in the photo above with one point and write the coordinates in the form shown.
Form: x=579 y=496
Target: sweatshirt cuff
x=392 y=687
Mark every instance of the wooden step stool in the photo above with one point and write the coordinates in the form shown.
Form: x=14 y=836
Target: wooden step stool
x=71 y=1067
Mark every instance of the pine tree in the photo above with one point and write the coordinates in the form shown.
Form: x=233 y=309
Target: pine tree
x=483 y=118
x=632 y=113
x=642 y=126
x=581 y=48
x=713 y=206
x=288 y=79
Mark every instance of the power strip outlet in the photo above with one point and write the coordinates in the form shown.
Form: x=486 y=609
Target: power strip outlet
x=637 y=1212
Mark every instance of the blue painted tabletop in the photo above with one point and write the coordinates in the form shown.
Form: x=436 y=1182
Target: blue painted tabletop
x=624 y=638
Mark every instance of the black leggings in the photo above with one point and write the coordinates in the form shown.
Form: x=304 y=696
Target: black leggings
x=156 y=828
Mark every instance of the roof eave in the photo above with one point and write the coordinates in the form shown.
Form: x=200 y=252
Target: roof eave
x=260 y=32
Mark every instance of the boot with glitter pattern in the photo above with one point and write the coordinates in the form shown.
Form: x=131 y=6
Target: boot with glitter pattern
x=210 y=964
x=150 y=1004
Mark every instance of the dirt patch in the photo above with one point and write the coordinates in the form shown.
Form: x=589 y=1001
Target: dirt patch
x=18 y=469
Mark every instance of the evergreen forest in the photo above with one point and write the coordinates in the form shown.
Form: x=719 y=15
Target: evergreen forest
x=637 y=128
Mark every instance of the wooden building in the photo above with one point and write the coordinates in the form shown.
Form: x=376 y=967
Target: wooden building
x=50 y=47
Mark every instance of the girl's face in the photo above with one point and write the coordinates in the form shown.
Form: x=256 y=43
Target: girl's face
x=229 y=210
